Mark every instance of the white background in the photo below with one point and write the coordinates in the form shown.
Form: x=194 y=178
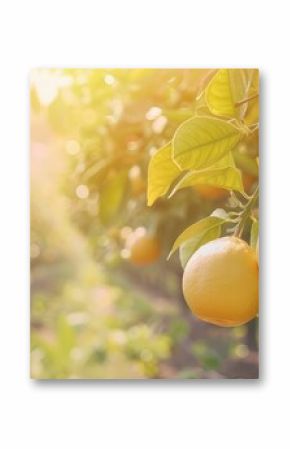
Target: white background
x=155 y=414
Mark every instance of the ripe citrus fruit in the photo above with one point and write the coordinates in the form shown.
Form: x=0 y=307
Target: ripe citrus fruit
x=144 y=250
x=220 y=282
x=211 y=193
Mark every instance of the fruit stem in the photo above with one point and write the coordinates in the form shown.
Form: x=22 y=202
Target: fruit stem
x=246 y=212
x=246 y=100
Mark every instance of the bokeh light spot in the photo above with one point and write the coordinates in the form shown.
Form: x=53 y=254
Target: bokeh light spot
x=134 y=172
x=125 y=253
x=110 y=80
x=159 y=124
x=153 y=113
x=241 y=351
x=82 y=191
x=72 y=147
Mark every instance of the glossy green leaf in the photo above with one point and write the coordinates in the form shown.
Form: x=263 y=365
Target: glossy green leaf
x=254 y=234
x=219 y=96
x=225 y=161
x=246 y=163
x=226 y=89
x=162 y=171
x=202 y=141
x=222 y=174
x=197 y=230
x=190 y=246
x=228 y=178
x=252 y=113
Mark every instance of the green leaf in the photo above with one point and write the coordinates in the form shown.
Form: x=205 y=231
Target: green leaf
x=190 y=246
x=246 y=163
x=226 y=178
x=162 y=171
x=222 y=174
x=252 y=113
x=198 y=229
x=225 y=161
x=111 y=196
x=226 y=89
x=218 y=95
x=201 y=141
x=254 y=234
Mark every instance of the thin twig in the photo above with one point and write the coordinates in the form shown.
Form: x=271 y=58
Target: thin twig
x=246 y=213
x=239 y=103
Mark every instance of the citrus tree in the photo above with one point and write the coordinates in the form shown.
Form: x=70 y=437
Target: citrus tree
x=220 y=281
x=203 y=178
x=106 y=140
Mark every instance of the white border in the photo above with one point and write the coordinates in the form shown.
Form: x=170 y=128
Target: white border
x=157 y=414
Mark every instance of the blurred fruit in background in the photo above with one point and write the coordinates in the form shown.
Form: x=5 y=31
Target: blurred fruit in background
x=211 y=193
x=144 y=248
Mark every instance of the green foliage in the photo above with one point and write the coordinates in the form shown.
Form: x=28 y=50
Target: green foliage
x=179 y=330
x=227 y=89
x=204 y=148
x=201 y=141
x=57 y=352
x=254 y=233
x=191 y=245
x=208 y=357
x=162 y=171
x=228 y=178
x=196 y=234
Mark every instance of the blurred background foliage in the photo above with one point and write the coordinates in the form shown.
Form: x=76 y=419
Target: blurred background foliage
x=94 y=313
